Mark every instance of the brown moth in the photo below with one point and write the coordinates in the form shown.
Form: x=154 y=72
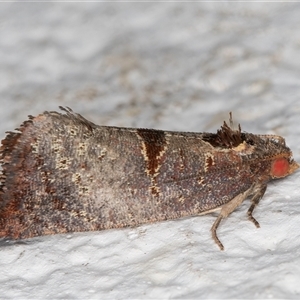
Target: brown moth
x=62 y=173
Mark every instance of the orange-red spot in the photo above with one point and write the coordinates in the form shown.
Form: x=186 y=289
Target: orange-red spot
x=280 y=167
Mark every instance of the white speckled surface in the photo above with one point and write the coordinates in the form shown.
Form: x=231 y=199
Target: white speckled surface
x=175 y=66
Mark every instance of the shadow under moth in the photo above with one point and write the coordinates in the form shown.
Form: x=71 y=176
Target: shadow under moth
x=62 y=173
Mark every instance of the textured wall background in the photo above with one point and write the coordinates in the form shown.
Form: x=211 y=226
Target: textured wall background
x=175 y=66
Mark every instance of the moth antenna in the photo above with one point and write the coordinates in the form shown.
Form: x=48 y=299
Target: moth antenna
x=231 y=123
x=230 y=120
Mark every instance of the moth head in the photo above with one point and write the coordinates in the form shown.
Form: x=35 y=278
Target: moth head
x=268 y=154
x=282 y=162
x=272 y=150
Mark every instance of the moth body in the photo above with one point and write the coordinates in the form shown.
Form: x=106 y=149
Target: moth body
x=62 y=173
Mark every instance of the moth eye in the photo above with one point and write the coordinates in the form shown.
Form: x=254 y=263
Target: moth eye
x=280 y=167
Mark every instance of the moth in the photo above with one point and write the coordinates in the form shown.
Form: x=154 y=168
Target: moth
x=62 y=173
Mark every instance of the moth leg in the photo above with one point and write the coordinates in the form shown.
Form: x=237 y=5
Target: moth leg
x=255 y=200
x=226 y=210
x=214 y=231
